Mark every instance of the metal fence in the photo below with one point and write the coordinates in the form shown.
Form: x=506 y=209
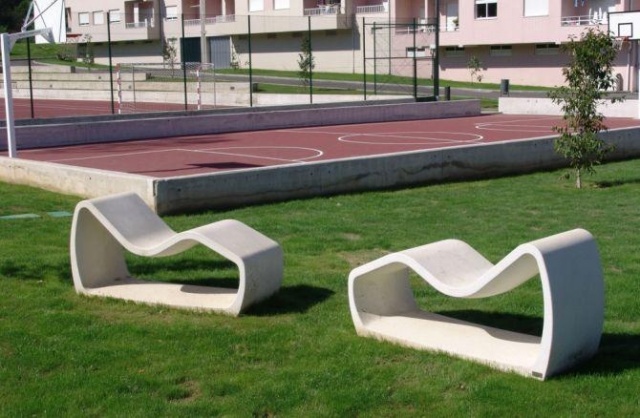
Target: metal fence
x=324 y=58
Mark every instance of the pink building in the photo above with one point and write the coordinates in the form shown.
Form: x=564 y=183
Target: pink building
x=520 y=40
x=517 y=40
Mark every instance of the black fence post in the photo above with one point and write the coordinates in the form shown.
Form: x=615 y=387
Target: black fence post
x=30 y=77
x=184 y=67
x=250 y=62
x=113 y=109
x=415 y=61
x=310 y=61
x=364 y=57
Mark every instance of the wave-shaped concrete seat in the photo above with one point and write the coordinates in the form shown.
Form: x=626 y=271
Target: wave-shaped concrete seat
x=104 y=227
x=383 y=306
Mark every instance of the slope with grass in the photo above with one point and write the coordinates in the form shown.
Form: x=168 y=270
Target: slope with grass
x=297 y=353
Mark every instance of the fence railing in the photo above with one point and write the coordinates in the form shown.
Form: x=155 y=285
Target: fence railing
x=379 y=8
x=584 y=20
x=211 y=20
x=137 y=25
x=322 y=10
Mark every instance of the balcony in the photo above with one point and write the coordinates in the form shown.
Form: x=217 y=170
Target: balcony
x=143 y=30
x=138 y=25
x=584 y=20
x=373 y=9
x=211 y=20
x=332 y=9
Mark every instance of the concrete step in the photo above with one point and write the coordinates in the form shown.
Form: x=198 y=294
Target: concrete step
x=83 y=76
x=101 y=85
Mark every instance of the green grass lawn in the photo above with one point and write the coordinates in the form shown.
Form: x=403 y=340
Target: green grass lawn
x=297 y=353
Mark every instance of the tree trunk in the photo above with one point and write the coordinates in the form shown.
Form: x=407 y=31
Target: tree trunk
x=578 y=179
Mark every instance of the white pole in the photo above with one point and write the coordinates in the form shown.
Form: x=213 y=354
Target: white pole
x=8 y=94
x=198 y=86
x=204 y=56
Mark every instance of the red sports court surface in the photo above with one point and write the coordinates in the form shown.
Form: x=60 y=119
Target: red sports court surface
x=201 y=154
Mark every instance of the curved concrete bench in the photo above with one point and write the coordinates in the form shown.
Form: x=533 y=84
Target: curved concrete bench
x=104 y=227
x=382 y=303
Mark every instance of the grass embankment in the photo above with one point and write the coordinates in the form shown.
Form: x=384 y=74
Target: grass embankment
x=297 y=354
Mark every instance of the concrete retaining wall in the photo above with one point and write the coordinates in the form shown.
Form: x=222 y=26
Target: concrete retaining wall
x=71 y=180
x=176 y=195
x=88 y=130
x=244 y=187
x=544 y=106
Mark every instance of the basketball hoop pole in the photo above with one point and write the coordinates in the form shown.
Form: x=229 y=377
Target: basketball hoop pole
x=7 y=41
x=8 y=94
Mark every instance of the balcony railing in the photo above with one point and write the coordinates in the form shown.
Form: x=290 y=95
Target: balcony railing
x=323 y=10
x=584 y=20
x=379 y=8
x=137 y=25
x=211 y=20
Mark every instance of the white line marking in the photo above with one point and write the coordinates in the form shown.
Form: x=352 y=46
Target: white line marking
x=517 y=125
x=316 y=153
x=111 y=156
x=413 y=136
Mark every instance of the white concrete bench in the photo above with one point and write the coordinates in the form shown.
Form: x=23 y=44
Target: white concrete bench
x=104 y=227
x=383 y=306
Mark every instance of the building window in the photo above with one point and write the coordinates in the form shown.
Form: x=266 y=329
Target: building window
x=454 y=51
x=171 y=13
x=536 y=8
x=83 y=19
x=98 y=18
x=547 y=49
x=281 y=4
x=256 y=5
x=500 y=50
x=486 y=9
x=114 y=15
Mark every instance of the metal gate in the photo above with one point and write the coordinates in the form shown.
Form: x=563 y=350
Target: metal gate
x=220 y=48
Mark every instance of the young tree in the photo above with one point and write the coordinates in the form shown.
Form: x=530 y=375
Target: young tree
x=306 y=61
x=588 y=76
x=89 y=56
x=475 y=69
x=170 y=53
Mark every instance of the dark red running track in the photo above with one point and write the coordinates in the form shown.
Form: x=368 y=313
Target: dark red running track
x=223 y=152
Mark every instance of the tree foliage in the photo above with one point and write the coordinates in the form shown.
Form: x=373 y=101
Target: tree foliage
x=588 y=76
x=12 y=14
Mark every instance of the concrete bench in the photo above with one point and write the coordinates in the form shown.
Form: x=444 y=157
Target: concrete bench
x=383 y=306
x=103 y=228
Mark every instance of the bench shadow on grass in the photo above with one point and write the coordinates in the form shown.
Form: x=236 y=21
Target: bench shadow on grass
x=616 y=354
x=289 y=299
x=604 y=184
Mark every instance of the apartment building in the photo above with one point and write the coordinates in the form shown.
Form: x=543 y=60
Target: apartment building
x=517 y=40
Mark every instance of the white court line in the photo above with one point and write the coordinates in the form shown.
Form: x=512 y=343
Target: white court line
x=317 y=153
x=310 y=131
x=516 y=125
x=111 y=156
x=424 y=140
